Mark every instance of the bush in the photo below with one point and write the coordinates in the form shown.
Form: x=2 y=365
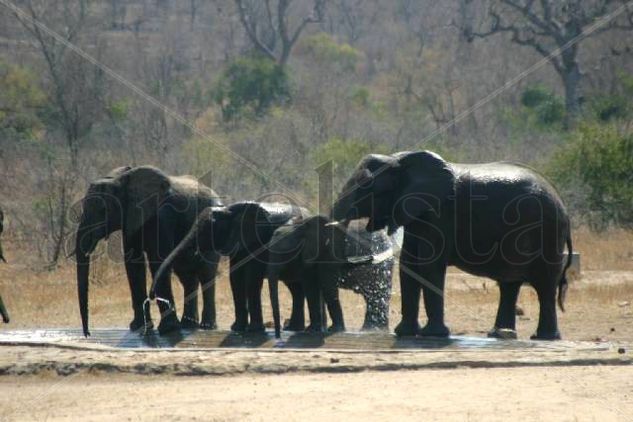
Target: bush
x=249 y=86
x=595 y=172
x=548 y=109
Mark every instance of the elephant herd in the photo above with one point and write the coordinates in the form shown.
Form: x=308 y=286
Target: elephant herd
x=498 y=220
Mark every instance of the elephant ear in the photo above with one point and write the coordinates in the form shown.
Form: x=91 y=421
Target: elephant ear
x=426 y=182
x=144 y=190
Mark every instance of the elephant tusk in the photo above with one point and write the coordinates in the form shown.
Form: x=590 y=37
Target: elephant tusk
x=371 y=259
x=334 y=224
x=382 y=256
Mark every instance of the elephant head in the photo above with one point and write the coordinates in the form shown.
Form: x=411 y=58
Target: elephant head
x=392 y=191
x=123 y=200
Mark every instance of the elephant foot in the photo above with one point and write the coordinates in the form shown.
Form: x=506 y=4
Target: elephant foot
x=503 y=333
x=239 y=327
x=6 y=319
x=375 y=327
x=168 y=324
x=338 y=328
x=435 y=330
x=294 y=326
x=139 y=324
x=208 y=325
x=314 y=328
x=546 y=336
x=189 y=322
x=407 y=329
x=256 y=327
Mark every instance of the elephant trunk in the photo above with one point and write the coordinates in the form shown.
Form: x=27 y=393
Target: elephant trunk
x=83 y=273
x=182 y=247
x=3 y=312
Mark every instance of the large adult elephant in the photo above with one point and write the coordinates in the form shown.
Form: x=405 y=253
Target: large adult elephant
x=154 y=211
x=498 y=220
x=3 y=310
x=314 y=259
x=240 y=231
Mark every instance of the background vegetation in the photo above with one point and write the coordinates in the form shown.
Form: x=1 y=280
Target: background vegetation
x=289 y=85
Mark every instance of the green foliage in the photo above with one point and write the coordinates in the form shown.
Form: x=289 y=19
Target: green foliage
x=617 y=106
x=20 y=98
x=544 y=107
x=595 y=170
x=120 y=109
x=327 y=51
x=249 y=86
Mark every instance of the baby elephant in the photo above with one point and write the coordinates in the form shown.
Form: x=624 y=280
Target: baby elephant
x=314 y=258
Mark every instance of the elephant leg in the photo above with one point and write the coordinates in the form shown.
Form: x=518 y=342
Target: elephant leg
x=329 y=290
x=297 y=318
x=190 y=301
x=410 y=297
x=238 y=288
x=157 y=250
x=505 y=323
x=547 y=322
x=432 y=280
x=135 y=268
x=313 y=296
x=254 y=282
x=207 y=283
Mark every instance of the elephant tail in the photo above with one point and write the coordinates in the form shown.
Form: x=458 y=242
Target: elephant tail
x=563 y=284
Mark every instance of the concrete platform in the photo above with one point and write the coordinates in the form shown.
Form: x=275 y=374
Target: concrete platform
x=203 y=339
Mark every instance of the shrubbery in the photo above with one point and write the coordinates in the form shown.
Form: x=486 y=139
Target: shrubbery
x=249 y=86
x=595 y=173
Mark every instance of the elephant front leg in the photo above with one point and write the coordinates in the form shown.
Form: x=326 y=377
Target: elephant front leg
x=329 y=290
x=135 y=269
x=3 y=312
x=313 y=296
x=238 y=289
x=190 y=301
x=207 y=284
x=254 y=285
x=376 y=312
x=410 y=301
x=432 y=280
x=297 y=318
x=505 y=323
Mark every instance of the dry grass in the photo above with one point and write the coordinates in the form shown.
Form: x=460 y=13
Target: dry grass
x=596 y=303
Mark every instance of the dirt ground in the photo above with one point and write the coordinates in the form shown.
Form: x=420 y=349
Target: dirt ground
x=527 y=394
x=557 y=384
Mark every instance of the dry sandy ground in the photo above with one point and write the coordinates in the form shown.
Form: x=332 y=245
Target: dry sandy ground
x=527 y=394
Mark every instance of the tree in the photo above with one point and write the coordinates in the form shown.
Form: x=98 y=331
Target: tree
x=266 y=28
x=548 y=25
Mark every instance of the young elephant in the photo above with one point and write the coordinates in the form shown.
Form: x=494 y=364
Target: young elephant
x=497 y=220
x=314 y=258
x=242 y=232
x=154 y=211
x=3 y=310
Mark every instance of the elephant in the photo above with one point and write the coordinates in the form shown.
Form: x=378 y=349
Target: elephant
x=3 y=310
x=154 y=212
x=240 y=231
x=498 y=220
x=314 y=258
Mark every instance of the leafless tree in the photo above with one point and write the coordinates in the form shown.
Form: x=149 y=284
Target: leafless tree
x=267 y=26
x=548 y=25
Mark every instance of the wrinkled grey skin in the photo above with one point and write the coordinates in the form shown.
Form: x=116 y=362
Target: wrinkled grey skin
x=312 y=259
x=240 y=231
x=498 y=220
x=154 y=211
x=3 y=310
